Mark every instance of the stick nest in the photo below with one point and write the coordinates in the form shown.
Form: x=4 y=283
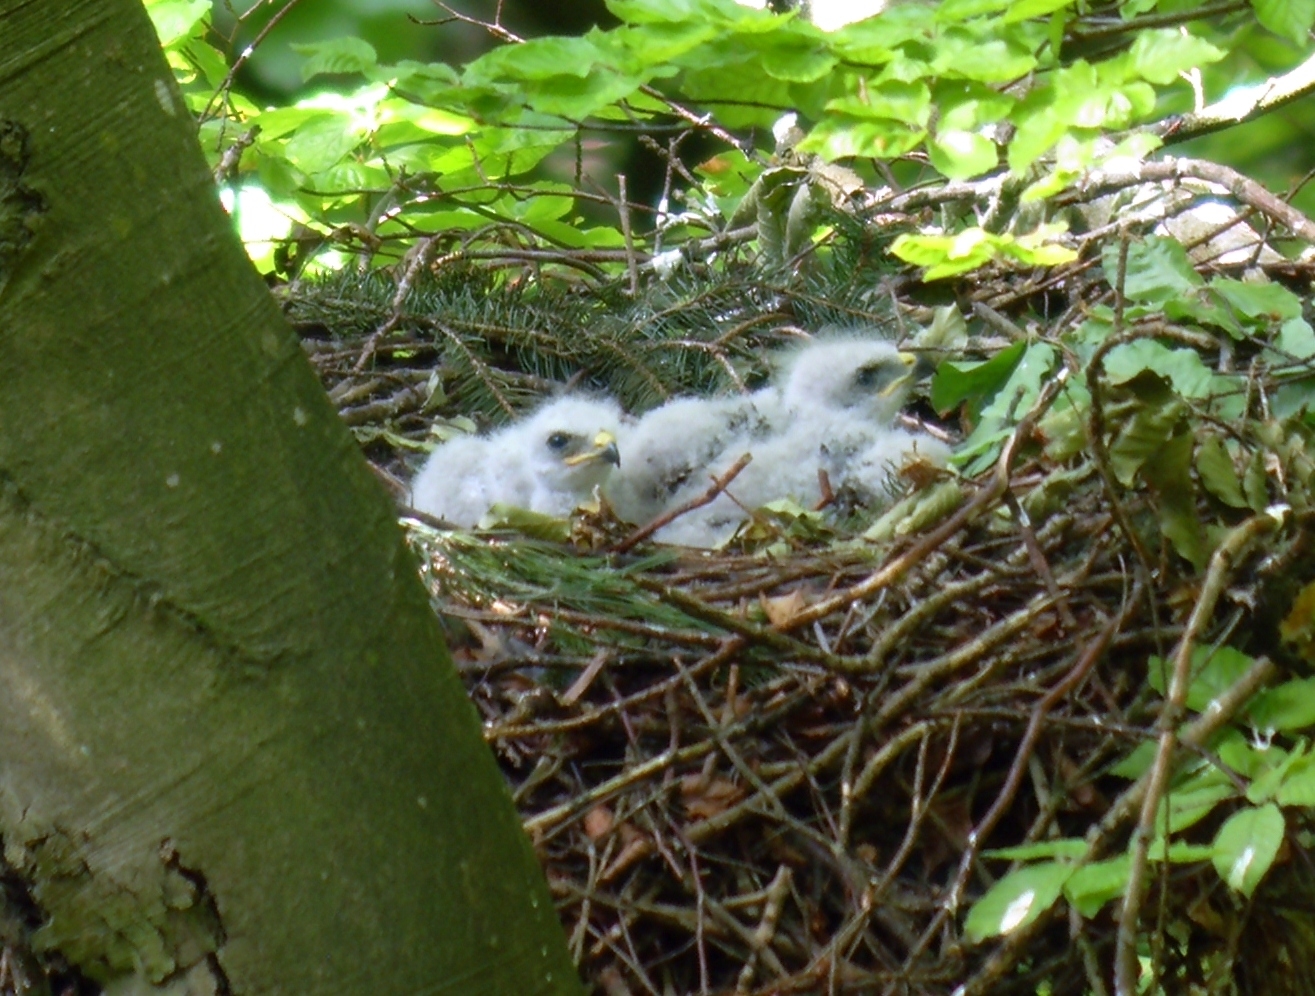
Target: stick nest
x=813 y=763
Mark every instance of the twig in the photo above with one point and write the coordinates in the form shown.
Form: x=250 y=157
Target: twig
x=509 y=731
x=774 y=902
x=233 y=154
x=420 y=257
x=623 y=213
x=719 y=485
x=246 y=54
x=1242 y=104
x=1222 y=563
x=1244 y=189
x=1014 y=779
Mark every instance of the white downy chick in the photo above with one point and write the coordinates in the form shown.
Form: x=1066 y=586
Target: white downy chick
x=864 y=378
x=834 y=406
x=674 y=445
x=550 y=462
x=869 y=478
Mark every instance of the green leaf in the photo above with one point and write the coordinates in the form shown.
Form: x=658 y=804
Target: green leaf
x=1268 y=301
x=1214 y=671
x=1091 y=887
x=879 y=40
x=1218 y=475
x=962 y=154
x=1290 y=19
x=1255 y=482
x=1064 y=427
x=1182 y=853
x=1192 y=802
x=533 y=524
x=1072 y=848
x=1075 y=102
x=1161 y=56
x=1135 y=764
x=949 y=11
x=535 y=60
x=1022 y=10
x=1158 y=270
x=576 y=97
x=1241 y=754
x=717 y=12
x=1246 y=846
x=838 y=136
x=1037 y=134
x=1183 y=367
x=1149 y=428
x=1168 y=471
x=971 y=56
x=797 y=59
x=955 y=383
x=1295 y=340
x=1278 y=764
x=284 y=120
x=1284 y=708
x=950 y=255
x=322 y=142
x=177 y=19
x=1298 y=787
x=1018 y=898
x=964 y=105
x=338 y=55
x=909 y=103
x=1001 y=414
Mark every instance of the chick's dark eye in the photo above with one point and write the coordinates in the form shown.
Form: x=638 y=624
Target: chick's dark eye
x=558 y=441
x=870 y=377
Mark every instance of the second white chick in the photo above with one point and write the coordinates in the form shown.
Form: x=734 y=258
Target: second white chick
x=672 y=448
x=834 y=406
x=550 y=462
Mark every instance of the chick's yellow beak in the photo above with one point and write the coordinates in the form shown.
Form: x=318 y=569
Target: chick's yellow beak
x=910 y=362
x=604 y=449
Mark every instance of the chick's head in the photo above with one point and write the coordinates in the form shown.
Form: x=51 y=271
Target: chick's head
x=570 y=444
x=868 y=377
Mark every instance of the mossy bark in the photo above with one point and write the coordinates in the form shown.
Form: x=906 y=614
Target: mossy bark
x=233 y=754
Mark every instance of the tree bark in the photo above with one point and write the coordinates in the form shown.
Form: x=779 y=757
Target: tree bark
x=233 y=754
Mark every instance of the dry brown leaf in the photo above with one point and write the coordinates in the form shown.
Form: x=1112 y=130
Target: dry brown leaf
x=598 y=822
x=704 y=797
x=783 y=608
x=1298 y=626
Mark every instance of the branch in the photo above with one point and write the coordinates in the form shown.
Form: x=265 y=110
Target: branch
x=719 y=484
x=1242 y=188
x=1244 y=104
x=1223 y=562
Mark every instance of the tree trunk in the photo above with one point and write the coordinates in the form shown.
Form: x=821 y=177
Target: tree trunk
x=233 y=755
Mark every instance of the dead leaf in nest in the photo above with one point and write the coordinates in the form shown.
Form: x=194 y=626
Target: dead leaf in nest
x=704 y=797
x=598 y=822
x=1298 y=626
x=1204 y=915
x=613 y=982
x=1082 y=795
x=783 y=608
x=920 y=472
x=635 y=847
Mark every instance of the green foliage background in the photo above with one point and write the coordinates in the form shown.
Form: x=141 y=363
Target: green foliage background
x=955 y=89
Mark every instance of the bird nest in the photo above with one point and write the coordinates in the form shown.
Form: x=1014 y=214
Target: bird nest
x=997 y=738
